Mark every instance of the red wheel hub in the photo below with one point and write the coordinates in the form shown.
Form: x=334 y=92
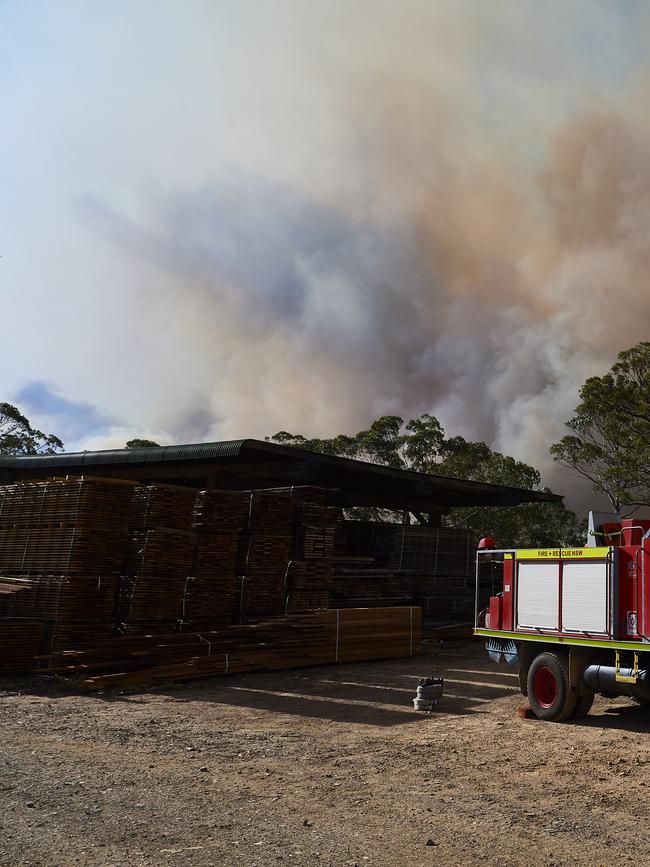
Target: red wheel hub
x=545 y=686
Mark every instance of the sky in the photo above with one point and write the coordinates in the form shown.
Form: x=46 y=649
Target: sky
x=222 y=219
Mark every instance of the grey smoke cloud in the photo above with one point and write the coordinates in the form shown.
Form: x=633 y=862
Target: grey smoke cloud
x=263 y=216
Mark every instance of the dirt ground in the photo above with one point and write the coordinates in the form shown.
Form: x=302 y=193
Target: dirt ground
x=320 y=766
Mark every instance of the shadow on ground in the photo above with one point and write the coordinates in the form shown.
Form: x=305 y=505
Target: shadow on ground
x=370 y=693
x=374 y=693
x=627 y=717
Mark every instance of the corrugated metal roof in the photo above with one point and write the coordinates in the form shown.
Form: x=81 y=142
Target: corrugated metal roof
x=151 y=454
x=360 y=474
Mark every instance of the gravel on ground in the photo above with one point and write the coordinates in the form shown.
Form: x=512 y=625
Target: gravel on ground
x=319 y=766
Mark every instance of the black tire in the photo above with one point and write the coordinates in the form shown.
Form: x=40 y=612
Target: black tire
x=583 y=705
x=523 y=682
x=549 y=693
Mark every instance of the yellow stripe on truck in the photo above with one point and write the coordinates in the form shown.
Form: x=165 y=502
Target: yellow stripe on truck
x=562 y=553
x=542 y=638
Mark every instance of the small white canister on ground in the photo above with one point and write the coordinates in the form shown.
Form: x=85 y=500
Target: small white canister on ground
x=428 y=693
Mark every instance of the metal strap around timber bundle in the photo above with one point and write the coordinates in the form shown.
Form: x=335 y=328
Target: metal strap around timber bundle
x=209 y=643
x=249 y=530
x=40 y=511
x=22 y=564
x=242 y=578
x=189 y=578
x=287 y=571
x=338 y=613
x=401 y=548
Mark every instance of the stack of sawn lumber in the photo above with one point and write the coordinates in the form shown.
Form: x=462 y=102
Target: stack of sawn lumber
x=442 y=559
x=401 y=563
x=288 y=551
x=181 y=565
x=364 y=572
x=314 y=638
x=20 y=641
x=159 y=558
x=210 y=594
x=187 y=561
x=61 y=550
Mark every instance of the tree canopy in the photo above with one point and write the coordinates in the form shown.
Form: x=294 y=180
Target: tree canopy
x=421 y=444
x=140 y=444
x=385 y=442
x=609 y=439
x=18 y=437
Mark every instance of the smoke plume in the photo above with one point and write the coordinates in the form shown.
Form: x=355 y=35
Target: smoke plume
x=360 y=211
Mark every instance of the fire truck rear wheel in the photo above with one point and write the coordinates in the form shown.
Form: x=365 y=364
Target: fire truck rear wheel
x=583 y=705
x=549 y=693
x=523 y=681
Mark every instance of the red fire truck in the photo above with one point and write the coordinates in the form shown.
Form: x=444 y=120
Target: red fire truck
x=577 y=620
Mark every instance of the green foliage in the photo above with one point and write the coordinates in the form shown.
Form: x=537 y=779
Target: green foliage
x=424 y=443
x=477 y=461
x=609 y=439
x=141 y=444
x=529 y=525
x=421 y=445
x=18 y=437
x=382 y=443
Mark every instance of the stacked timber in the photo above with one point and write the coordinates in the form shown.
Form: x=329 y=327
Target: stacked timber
x=85 y=501
x=19 y=644
x=309 y=583
x=267 y=552
x=73 y=610
x=159 y=558
x=310 y=576
x=221 y=510
x=446 y=588
x=364 y=573
x=181 y=564
x=155 y=506
x=381 y=564
x=289 y=550
x=210 y=593
x=164 y=551
x=75 y=549
x=173 y=569
x=61 y=549
x=314 y=638
x=59 y=598
x=358 y=584
x=11 y=589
